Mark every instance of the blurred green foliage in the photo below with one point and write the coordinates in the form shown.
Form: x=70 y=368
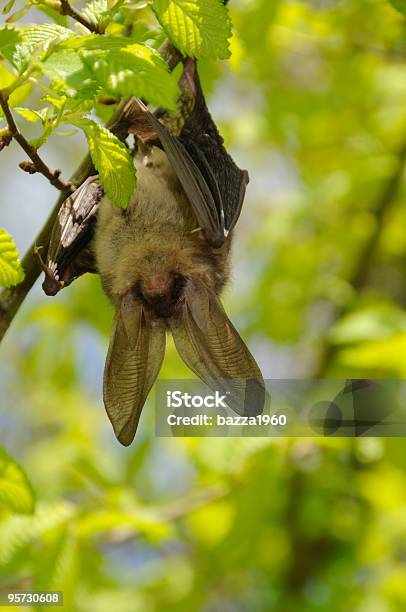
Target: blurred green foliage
x=313 y=102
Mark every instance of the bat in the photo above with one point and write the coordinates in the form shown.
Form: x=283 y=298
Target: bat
x=164 y=260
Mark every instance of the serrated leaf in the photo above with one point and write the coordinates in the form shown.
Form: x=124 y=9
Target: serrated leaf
x=16 y=493
x=68 y=67
x=124 y=68
x=10 y=39
x=95 y=11
x=100 y=12
x=18 y=45
x=199 y=28
x=134 y=70
x=399 y=5
x=112 y=160
x=11 y=271
x=117 y=65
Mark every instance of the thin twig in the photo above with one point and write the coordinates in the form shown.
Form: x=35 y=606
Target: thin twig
x=39 y=165
x=69 y=10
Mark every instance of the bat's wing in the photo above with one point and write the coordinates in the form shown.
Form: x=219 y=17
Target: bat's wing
x=134 y=358
x=212 y=181
x=212 y=348
x=69 y=255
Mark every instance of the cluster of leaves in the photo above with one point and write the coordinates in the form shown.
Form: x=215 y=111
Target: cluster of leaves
x=75 y=70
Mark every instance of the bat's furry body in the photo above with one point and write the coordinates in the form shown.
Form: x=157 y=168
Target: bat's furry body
x=155 y=247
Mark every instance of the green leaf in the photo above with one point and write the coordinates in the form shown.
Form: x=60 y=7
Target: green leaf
x=67 y=66
x=18 y=45
x=113 y=162
x=10 y=40
x=399 y=5
x=120 y=67
x=132 y=70
x=200 y=28
x=11 y=271
x=37 y=143
x=8 y=7
x=101 y=12
x=95 y=42
x=16 y=493
x=31 y=115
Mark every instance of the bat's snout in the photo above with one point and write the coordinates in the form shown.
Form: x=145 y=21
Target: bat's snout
x=161 y=293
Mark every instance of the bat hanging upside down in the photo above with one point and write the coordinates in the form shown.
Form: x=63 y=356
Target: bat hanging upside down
x=163 y=261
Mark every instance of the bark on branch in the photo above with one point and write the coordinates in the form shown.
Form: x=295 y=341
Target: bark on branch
x=38 y=165
x=70 y=11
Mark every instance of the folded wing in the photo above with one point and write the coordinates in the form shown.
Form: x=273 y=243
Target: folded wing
x=134 y=358
x=212 y=348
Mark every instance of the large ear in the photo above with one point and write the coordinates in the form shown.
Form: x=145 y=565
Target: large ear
x=134 y=358
x=212 y=348
x=213 y=183
x=199 y=184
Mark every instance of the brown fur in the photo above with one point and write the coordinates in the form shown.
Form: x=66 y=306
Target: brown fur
x=155 y=238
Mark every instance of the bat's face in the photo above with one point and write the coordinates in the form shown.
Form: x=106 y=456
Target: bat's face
x=152 y=250
x=161 y=294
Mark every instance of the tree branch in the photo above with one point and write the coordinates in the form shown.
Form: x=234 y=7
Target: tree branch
x=11 y=299
x=70 y=11
x=360 y=273
x=38 y=164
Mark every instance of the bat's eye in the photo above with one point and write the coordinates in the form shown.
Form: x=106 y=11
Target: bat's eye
x=161 y=293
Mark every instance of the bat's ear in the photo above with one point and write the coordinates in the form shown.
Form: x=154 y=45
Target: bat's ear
x=212 y=348
x=134 y=358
